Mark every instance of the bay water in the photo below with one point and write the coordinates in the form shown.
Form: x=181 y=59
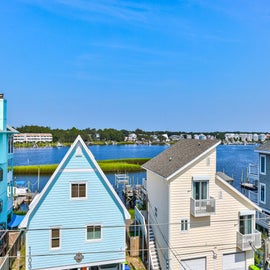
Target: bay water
x=231 y=159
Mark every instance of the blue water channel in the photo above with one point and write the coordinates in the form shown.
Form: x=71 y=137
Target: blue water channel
x=231 y=159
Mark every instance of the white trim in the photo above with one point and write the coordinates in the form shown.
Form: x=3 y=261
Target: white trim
x=260 y=192
x=68 y=170
x=95 y=239
x=60 y=237
x=185 y=224
x=192 y=161
x=247 y=212
x=238 y=193
x=201 y=178
x=262 y=151
x=263 y=173
x=78 y=183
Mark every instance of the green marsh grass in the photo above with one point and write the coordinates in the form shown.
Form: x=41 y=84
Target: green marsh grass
x=112 y=165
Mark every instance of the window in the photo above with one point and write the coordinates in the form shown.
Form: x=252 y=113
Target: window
x=262 y=164
x=1 y=174
x=93 y=232
x=55 y=238
x=246 y=224
x=156 y=212
x=262 y=193
x=184 y=225
x=200 y=190
x=78 y=190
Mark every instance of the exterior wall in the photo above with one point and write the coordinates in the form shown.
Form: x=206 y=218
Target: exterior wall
x=57 y=209
x=215 y=234
x=265 y=179
x=158 y=197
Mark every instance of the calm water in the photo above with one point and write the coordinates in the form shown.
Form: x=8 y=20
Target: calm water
x=232 y=159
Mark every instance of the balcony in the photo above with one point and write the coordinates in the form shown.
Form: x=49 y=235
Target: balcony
x=202 y=208
x=262 y=219
x=244 y=240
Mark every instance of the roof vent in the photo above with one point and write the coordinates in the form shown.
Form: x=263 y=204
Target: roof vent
x=170 y=159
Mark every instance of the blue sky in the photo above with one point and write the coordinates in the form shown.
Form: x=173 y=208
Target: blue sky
x=197 y=65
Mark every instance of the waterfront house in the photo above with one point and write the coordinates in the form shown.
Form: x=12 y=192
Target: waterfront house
x=197 y=219
x=258 y=188
x=6 y=173
x=77 y=221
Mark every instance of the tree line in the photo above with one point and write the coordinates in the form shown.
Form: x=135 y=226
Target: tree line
x=107 y=134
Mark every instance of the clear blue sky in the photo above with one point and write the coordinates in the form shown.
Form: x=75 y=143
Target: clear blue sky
x=197 y=65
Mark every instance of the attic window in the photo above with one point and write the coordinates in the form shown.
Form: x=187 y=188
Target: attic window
x=78 y=151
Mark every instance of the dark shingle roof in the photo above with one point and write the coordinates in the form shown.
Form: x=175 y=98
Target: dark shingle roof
x=178 y=155
x=264 y=147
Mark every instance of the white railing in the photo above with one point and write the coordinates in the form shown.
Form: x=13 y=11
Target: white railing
x=244 y=241
x=201 y=208
x=262 y=219
x=253 y=196
x=253 y=171
x=140 y=219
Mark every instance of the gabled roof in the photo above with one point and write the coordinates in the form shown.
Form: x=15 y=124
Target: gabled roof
x=263 y=148
x=173 y=160
x=37 y=200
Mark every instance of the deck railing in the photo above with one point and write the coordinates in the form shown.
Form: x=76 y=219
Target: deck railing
x=201 y=208
x=246 y=241
x=262 y=219
x=253 y=196
x=253 y=171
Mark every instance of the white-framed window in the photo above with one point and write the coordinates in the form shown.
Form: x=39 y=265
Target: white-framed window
x=184 y=225
x=262 y=164
x=246 y=223
x=55 y=238
x=78 y=190
x=262 y=191
x=93 y=232
x=200 y=190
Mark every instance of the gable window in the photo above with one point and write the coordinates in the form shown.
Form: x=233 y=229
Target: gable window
x=262 y=164
x=93 y=232
x=78 y=190
x=55 y=238
x=184 y=225
x=200 y=190
x=262 y=193
x=246 y=224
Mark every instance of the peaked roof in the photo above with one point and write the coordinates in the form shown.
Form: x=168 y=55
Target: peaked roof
x=186 y=151
x=39 y=197
x=265 y=147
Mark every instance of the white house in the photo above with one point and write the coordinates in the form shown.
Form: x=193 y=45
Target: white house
x=199 y=220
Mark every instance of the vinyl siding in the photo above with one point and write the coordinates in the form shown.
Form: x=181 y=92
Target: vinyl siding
x=265 y=179
x=57 y=209
x=158 y=197
x=207 y=235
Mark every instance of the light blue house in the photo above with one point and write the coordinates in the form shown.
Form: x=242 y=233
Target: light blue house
x=77 y=221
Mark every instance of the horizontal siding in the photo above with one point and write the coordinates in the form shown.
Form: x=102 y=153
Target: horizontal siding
x=57 y=209
x=216 y=233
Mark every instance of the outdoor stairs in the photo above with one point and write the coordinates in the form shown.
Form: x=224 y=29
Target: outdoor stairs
x=155 y=265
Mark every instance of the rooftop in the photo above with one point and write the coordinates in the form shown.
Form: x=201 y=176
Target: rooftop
x=178 y=155
x=263 y=147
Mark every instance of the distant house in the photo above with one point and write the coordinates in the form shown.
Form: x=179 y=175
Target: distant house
x=199 y=221
x=132 y=137
x=6 y=174
x=77 y=221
